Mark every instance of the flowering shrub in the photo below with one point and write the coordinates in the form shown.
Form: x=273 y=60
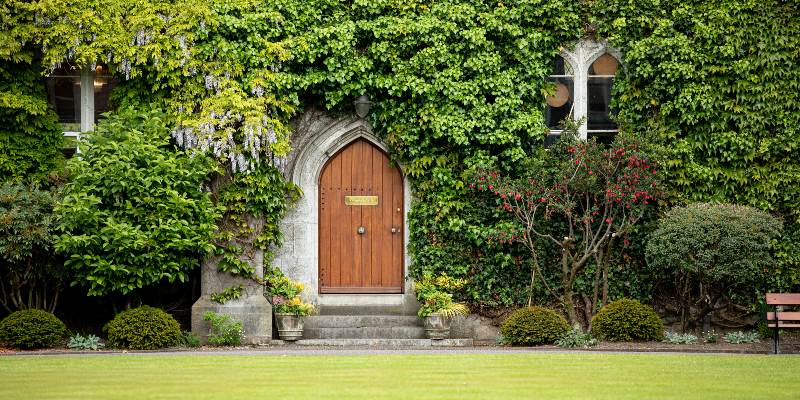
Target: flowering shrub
x=285 y=294
x=598 y=193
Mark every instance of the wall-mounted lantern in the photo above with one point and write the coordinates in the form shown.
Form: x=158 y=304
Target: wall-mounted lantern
x=362 y=105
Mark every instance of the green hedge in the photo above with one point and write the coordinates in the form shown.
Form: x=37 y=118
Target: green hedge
x=627 y=320
x=530 y=326
x=32 y=329
x=143 y=328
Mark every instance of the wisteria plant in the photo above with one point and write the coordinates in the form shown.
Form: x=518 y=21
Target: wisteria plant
x=596 y=193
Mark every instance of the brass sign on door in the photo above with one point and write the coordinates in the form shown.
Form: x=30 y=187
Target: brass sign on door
x=361 y=200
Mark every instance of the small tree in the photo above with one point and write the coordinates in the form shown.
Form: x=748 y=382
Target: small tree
x=135 y=212
x=716 y=253
x=596 y=193
x=30 y=277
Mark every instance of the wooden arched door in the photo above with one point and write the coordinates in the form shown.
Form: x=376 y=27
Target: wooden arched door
x=360 y=222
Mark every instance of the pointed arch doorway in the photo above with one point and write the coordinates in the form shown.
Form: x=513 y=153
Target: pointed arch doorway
x=360 y=222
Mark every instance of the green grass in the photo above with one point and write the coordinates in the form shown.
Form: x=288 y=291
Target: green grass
x=435 y=376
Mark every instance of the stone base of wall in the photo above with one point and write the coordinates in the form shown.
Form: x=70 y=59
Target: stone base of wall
x=254 y=313
x=475 y=327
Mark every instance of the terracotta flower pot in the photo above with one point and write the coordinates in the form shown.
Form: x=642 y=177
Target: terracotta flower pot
x=437 y=326
x=290 y=326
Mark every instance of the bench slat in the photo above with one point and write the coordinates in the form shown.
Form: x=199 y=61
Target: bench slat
x=782 y=325
x=784 y=316
x=783 y=299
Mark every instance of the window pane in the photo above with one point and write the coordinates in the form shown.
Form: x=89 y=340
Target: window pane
x=561 y=66
x=599 y=112
x=64 y=95
x=604 y=65
x=103 y=85
x=602 y=137
x=559 y=106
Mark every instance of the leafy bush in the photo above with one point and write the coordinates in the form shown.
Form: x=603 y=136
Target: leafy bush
x=88 y=342
x=533 y=325
x=30 y=276
x=576 y=338
x=135 y=213
x=189 y=339
x=435 y=295
x=143 y=328
x=740 y=337
x=680 y=338
x=715 y=253
x=224 y=331
x=626 y=320
x=711 y=337
x=32 y=329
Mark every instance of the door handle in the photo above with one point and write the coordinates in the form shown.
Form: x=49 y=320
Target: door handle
x=361 y=230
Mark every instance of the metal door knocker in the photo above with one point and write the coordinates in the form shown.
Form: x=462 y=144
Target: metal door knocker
x=361 y=230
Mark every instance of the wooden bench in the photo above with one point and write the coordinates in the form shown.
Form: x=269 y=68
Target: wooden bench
x=780 y=319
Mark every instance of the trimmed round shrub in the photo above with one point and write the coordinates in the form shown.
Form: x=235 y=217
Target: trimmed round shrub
x=627 y=320
x=143 y=328
x=32 y=329
x=533 y=325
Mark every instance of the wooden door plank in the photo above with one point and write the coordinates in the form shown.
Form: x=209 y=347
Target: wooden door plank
x=376 y=185
x=337 y=223
x=397 y=222
x=324 y=227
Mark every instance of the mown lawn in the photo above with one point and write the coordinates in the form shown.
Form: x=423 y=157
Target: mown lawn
x=419 y=376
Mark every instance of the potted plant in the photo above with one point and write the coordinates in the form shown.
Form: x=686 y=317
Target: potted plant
x=288 y=307
x=437 y=307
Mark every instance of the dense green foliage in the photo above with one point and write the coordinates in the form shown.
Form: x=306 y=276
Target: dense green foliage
x=625 y=320
x=530 y=326
x=456 y=84
x=30 y=275
x=134 y=213
x=30 y=138
x=32 y=329
x=223 y=331
x=714 y=254
x=717 y=82
x=143 y=328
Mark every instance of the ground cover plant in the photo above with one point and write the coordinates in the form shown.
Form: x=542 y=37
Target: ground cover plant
x=563 y=376
x=223 y=330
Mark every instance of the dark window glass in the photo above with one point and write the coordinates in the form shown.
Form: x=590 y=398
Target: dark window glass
x=559 y=106
x=103 y=84
x=599 y=97
x=64 y=95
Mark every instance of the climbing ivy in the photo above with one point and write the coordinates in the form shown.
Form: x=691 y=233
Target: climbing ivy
x=717 y=82
x=456 y=85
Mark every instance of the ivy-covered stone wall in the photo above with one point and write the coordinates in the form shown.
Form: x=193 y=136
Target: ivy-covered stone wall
x=456 y=85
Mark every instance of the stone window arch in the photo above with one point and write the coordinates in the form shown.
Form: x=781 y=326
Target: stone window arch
x=584 y=76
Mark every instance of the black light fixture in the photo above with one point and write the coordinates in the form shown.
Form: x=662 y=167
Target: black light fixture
x=362 y=105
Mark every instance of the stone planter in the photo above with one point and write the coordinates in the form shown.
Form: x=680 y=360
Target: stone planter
x=290 y=326
x=437 y=326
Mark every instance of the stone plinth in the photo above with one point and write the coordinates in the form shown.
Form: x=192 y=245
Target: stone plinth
x=251 y=309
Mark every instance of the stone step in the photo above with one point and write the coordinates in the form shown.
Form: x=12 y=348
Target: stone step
x=412 y=343
x=365 y=332
x=360 y=321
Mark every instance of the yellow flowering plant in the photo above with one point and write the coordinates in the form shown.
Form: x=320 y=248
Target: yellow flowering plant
x=284 y=294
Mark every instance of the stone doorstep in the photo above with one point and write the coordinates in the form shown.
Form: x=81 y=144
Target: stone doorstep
x=370 y=332
x=360 y=321
x=400 y=343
